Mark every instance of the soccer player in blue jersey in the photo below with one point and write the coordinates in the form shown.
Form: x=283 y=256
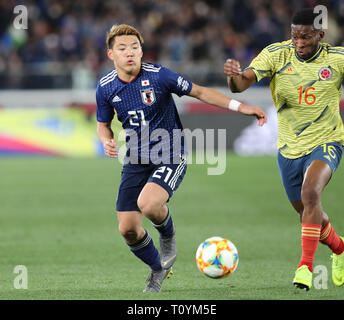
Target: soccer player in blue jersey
x=141 y=95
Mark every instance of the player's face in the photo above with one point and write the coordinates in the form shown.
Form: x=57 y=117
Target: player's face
x=306 y=40
x=126 y=53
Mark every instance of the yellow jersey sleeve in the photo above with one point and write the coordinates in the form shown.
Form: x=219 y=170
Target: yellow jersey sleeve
x=338 y=52
x=262 y=65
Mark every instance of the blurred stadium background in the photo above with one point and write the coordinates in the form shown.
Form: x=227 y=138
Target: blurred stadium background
x=49 y=71
x=56 y=210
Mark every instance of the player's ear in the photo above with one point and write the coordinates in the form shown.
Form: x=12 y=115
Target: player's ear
x=110 y=54
x=321 y=35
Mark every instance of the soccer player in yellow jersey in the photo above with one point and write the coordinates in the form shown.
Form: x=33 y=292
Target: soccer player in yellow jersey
x=306 y=87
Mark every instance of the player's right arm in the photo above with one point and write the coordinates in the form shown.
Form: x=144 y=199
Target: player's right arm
x=105 y=114
x=261 y=66
x=105 y=135
x=216 y=98
x=237 y=80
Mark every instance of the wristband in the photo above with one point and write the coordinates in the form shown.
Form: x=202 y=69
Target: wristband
x=234 y=105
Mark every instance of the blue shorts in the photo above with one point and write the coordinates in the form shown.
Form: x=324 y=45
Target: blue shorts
x=292 y=170
x=134 y=178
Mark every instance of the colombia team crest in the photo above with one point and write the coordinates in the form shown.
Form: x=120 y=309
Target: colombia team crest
x=148 y=96
x=325 y=73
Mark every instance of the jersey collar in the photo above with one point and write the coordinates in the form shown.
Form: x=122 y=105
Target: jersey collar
x=316 y=55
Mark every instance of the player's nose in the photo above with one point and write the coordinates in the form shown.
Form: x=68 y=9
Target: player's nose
x=299 y=44
x=130 y=52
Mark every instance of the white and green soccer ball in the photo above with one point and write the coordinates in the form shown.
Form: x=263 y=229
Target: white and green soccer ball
x=217 y=257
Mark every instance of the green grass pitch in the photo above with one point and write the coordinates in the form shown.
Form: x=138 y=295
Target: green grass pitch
x=57 y=219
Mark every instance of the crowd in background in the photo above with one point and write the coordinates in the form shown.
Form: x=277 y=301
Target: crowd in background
x=64 y=44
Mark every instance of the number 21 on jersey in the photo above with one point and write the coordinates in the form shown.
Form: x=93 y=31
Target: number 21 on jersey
x=135 y=117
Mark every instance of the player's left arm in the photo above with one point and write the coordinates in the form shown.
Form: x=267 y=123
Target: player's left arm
x=216 y=98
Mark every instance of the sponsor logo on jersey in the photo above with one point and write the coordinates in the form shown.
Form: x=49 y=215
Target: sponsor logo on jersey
x=325 y=73
x=181 y=82
x=148 y=96
x=289 y=70
x=116 y=99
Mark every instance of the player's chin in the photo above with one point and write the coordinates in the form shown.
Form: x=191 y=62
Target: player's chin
x=305 y=54
x=131 y=68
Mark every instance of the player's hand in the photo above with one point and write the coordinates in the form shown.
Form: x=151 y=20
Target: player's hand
x=232 y=68
x=110 y=148
x=254 y=111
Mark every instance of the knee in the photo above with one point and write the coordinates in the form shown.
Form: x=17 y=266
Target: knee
x=128 y=232
x=310 y=196
x=148 y=208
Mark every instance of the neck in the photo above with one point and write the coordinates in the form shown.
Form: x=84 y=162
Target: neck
x=315 y=51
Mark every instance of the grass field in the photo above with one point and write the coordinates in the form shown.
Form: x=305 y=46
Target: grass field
x=57 y=219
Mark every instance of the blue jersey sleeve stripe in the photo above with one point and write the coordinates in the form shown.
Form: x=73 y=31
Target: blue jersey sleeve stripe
x=107 y=76
x=149 y=65
x=150 y=70
x=336 y=52
x=109 y=80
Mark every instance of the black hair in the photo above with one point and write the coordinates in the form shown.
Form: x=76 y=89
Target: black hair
x=304 y=17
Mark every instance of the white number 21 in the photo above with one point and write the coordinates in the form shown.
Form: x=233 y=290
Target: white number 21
x=162 y=170
x=135 y=116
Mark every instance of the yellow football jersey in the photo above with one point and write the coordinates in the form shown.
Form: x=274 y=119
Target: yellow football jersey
x=306 y=94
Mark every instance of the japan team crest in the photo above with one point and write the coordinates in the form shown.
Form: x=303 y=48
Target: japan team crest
x=148 y=96
x=325 y=73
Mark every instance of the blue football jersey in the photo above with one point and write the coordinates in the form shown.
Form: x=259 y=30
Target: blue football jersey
x=147 y=111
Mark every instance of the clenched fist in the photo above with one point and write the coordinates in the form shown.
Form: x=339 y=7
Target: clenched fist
x=232 y=68
x=110 y=148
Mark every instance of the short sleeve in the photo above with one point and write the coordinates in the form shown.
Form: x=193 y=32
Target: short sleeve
x=340 y=55
x=262 y=65
x=105 y=112
x=174 y=82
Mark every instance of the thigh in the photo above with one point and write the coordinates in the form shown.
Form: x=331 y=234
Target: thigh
x=316 y=177
x=169 y=176
x=130 y=187
x=291 y=171
x=320 y=165
x=152 y=195
x=329 y=153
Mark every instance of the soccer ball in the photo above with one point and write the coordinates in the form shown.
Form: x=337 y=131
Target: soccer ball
x=217 y=257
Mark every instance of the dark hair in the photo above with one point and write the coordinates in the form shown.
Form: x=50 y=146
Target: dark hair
x=304 y=17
